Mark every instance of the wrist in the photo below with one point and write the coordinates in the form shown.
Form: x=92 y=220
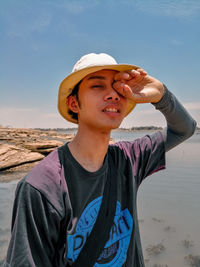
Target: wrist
x=165 y=100
x=162 y=90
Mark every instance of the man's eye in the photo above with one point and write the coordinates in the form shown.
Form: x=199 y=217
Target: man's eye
x=97 y=86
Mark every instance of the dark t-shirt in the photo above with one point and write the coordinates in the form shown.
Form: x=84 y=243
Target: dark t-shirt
x=54 y=211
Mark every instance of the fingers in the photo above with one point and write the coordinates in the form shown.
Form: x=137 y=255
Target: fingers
x=142 y=72
x=123 y=89
x=126 y=91
x=129 y=74
x=119 y=87
x=122 y=76
x=139 y=95
x=128 y=82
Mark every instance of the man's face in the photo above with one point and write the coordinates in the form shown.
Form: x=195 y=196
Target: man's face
x=100 y=106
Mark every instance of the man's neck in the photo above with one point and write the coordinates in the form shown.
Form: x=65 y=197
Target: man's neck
x=89 y=148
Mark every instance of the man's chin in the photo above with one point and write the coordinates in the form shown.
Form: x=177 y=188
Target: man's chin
x=111 y=126
x=105 y=125
x=116 y=127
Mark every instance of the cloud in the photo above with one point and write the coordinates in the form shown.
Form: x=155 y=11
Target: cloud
x=174 y=8
x=192 y=106
x=176 y=42
x=75 y=7
x=144 y=116
x=23 y=20
x=34 y=117
x=41 y=23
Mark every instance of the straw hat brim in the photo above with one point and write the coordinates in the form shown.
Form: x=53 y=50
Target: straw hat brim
x=70 y=81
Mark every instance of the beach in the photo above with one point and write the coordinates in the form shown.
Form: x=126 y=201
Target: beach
x=168 y=206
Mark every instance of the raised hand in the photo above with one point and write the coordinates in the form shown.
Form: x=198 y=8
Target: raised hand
x=138 y=86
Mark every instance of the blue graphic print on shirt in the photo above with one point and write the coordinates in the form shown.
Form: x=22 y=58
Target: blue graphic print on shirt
x=115 y=250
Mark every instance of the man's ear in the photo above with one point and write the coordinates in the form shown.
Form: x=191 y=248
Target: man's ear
x=72 y=103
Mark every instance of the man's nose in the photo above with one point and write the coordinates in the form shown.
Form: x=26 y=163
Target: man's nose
x=112 y=95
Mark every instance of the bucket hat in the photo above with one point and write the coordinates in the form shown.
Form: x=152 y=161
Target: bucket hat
x=86 y=65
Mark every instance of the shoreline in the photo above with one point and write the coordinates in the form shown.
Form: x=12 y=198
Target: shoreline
x=38 y=143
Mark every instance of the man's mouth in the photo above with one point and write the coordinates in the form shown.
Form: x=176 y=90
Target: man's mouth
x=111 y=110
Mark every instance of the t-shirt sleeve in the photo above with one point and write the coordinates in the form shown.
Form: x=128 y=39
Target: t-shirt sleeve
x=34 y=231
x=146 y=155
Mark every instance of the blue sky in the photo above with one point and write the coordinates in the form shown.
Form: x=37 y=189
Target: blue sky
x=40 y=41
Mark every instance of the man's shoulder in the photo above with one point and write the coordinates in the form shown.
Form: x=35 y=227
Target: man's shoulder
x=147 y=142
x=48 y=178
x=47 y=169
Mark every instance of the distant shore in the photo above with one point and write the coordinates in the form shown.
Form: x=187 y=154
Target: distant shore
x=133 y=129
x=21 y=148
x=74 y=129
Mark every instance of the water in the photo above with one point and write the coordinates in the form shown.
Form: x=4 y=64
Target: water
x=168 y=206
x=6 y=201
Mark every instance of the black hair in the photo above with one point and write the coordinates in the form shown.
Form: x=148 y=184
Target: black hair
x=74 y=93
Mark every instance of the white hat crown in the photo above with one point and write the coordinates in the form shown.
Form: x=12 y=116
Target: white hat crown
x=93 y=59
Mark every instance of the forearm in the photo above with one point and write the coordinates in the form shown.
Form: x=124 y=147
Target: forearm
x=180 y=125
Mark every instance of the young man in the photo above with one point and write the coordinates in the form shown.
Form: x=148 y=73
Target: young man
x=58 y=202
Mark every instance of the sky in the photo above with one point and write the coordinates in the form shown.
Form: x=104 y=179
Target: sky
x=40 y=41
